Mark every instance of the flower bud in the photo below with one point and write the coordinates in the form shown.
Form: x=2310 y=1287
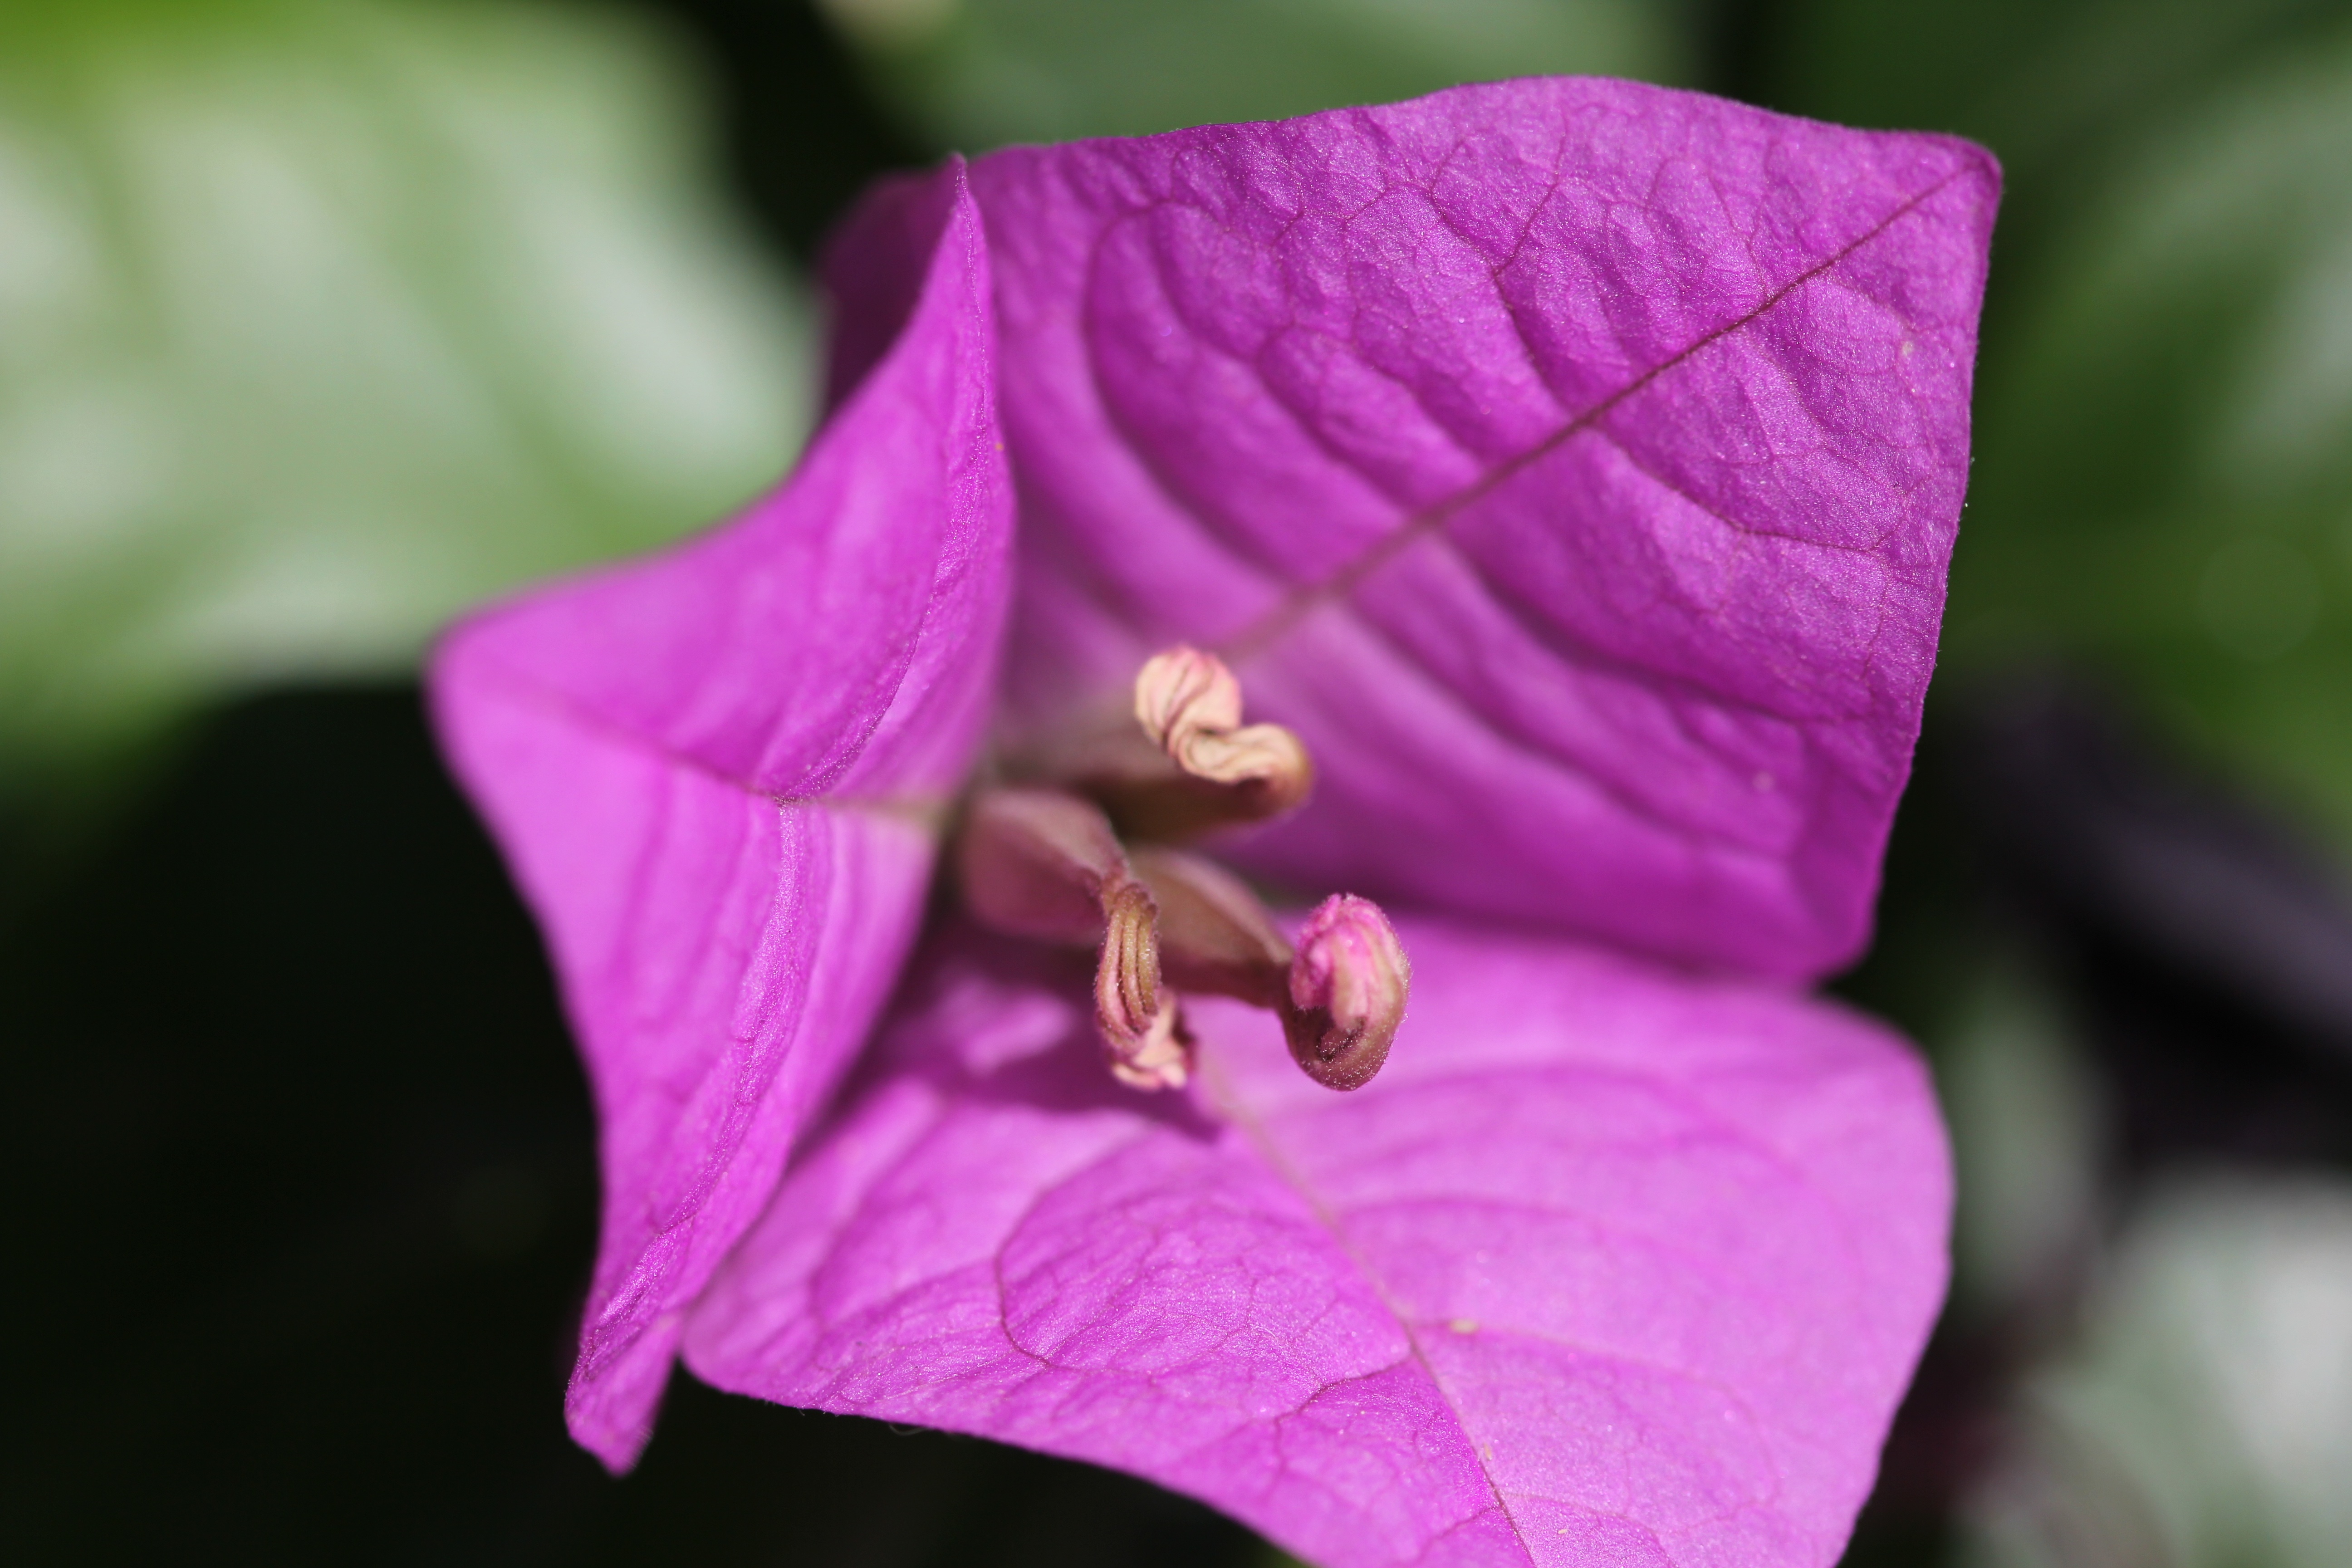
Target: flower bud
x=1348 y=990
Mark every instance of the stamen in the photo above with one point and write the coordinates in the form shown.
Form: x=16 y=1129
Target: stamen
x=1037 y=863
x=1127 y=1004
x=1184 y=690
x=1190 y=705
x=1046 y=864
x=1164 y=1059
x=1041 y=863
x=1136 y=1017
x=1346 y=992
x=1214 y=935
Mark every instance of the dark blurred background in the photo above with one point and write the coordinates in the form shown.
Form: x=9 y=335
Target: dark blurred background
x=321 y=318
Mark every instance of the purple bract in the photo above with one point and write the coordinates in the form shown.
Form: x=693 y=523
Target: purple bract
x=1574 y=466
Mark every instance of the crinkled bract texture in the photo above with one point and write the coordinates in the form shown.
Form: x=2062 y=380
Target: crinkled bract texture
x=1575 y=466
x=1609 y=1267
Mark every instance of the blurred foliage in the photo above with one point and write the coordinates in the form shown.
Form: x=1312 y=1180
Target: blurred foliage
x=973 y=74
x=803 y=131
x=2207 y=1417
x=2047 y=84
x=2163 y=482
x=2026 y=1139
x=2120 y=948
x=322 y=319
x=2165 y=475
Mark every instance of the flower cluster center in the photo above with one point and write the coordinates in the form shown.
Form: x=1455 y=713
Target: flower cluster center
x=1092 y=855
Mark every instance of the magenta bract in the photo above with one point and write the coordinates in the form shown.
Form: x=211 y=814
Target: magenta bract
x=1574 y=465
x=718 y=776
x=1609 y=1266
x=1582 y=460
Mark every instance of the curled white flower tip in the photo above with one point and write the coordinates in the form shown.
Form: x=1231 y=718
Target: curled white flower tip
x=1190 y=705
x=1348 y=985
x=1184 y=690
x=1161 y=1059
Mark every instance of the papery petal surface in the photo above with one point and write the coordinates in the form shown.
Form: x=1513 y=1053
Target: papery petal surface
x=1574 y=464
x=1608 y=1264
x=718 y=775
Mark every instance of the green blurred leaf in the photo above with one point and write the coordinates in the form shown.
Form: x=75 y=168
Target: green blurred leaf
x=2164 y=464
x=2205 y=1421
x=2040 y=82
x=2027 y=1136
x=976 y=73
x=321 y=319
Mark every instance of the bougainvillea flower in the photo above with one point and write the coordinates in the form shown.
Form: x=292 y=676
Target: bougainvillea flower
x=1568 y=468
